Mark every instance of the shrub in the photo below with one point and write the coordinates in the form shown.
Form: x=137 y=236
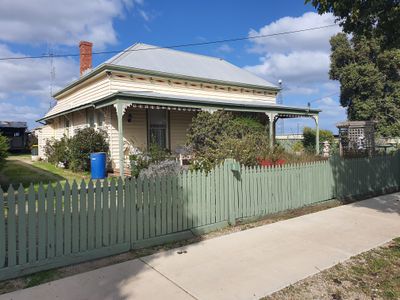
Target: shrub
x=298 y=146
x=143 y=160
x=215 y=137
x=206 y=129
x=57 y=151
x=4 y=145
x=161 y=168
x=84 y=142
x=309 y=138
x=241 y=126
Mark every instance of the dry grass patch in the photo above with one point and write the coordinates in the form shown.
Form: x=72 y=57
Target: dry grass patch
x=371 y=275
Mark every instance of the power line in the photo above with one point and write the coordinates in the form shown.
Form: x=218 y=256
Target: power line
x=326 y=96
x=173 y=46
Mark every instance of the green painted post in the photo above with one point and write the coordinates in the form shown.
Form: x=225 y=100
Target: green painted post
x=120 y=211
x=152 y=209
x=164 y=203
x=180 y=202
x=316 y=134
x=67 y=219
x=22 y=257
x=42 y=223
x=233 y=166
x=203 y=198
x=185 y=214
x=146 y=214
x=128 y=216
x=82 y=218
x=90 y=216
x=133 y=193
x=139 y=201
x=158 y=205
x=59 y=221
x=50 y=222
x=120 y=112
x=169 y=204
x=113 y=214
x=75 y=217
x=106 y=214
x=11 y=228
x=98 y=215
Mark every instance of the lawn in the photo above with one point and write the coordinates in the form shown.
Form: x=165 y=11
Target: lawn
x=20 y=170
x=371 y=275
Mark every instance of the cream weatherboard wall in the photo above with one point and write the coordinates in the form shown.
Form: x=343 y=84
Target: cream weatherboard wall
x=179 y=87
x=179 y=122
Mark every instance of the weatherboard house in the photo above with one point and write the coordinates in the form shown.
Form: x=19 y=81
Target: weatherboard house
x=147 y=91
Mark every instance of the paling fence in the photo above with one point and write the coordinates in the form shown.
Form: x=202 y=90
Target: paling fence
x=59 y=225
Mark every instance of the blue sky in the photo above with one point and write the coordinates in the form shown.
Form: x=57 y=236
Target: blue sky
x=37 y=27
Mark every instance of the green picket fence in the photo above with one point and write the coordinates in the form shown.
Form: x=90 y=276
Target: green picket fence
x=58 y=226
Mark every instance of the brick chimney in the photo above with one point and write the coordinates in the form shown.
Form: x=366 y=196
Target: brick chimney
x=85 y=56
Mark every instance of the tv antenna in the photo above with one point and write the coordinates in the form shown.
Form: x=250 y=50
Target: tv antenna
x=52 y=74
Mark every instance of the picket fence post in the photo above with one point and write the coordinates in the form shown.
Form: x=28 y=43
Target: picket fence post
x=232 y=170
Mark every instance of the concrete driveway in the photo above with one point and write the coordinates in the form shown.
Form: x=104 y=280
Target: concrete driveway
x=243 y=265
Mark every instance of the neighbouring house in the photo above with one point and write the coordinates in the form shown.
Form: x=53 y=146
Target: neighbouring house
x=17 y=135
x=150 y=94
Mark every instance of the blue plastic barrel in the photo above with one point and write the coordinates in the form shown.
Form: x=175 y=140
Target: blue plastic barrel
x=98 y=165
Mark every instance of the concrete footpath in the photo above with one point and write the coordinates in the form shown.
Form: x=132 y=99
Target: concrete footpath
x=244 y=265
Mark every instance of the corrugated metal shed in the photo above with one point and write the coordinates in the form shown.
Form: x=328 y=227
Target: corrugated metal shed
x=12 y=124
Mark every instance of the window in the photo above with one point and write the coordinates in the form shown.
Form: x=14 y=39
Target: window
x=66 y=127
x=158 y=124
x=90 y=117
x=100 y=118
x=17 y=134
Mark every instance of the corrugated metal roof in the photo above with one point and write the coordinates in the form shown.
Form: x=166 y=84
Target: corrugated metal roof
x=153 y=58
x=13 y=124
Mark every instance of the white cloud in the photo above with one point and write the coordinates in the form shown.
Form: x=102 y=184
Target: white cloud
x=295 y=67
x=32 y=76
x=25 y=84
x=11 y=112
x=330 y=107
x=61 y=22
x=225 y=48
x=301 y=61
x=144 y=15
x=301 y=41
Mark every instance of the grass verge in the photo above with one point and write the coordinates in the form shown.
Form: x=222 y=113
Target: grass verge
x=371 y=275
x=19 y=170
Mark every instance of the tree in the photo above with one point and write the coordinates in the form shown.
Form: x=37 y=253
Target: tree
x=4 y=145
x=214 y=137
x=367 y=64
x=84 y=142
x=369 y=80
x=365 y=18
x=309 y=138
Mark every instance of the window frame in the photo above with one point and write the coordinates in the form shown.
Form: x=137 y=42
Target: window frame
x=167 y=127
